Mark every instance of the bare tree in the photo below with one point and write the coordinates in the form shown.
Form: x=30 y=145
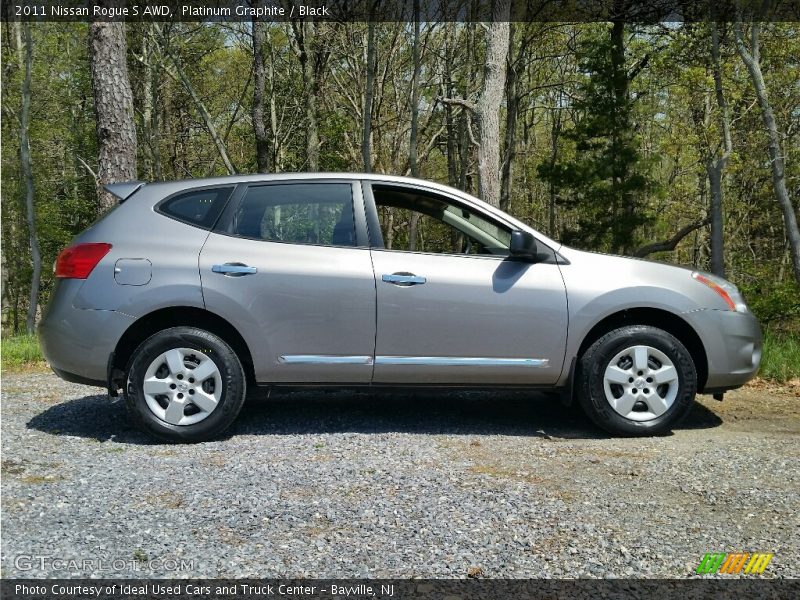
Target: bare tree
x=25 y=60
x=752 y=60
x=716 y=161
x=176 y=72
x=259 y=82
x=487 y=107
x=312 y=56
x=489 y=101
x=113 y=102
x=369 y=93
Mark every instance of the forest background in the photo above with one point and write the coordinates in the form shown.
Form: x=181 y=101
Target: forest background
x=670 y=141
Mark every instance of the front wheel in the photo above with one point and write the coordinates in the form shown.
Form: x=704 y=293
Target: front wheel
x=637 y=380
x=184 y=385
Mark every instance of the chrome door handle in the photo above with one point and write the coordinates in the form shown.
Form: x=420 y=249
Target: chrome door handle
x=403 y=279
x=234 y=269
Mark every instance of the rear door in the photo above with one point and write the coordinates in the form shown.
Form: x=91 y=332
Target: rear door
x=453 y=308
x=289 y=265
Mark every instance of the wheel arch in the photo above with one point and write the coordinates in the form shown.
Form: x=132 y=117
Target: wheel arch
x=175 y=316
x=654 y=317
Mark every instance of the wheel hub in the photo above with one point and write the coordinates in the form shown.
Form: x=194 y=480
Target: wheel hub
x=641 y=383
x=182 y=386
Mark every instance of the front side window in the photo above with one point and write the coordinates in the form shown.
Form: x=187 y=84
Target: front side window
x=297 y=213
x=197 y=207
x=420 y=222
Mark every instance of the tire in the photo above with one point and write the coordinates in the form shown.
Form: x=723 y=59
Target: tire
x=626 y=398
x=166 y=399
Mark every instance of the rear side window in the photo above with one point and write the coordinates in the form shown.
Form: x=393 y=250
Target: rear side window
x=297 y=213
x=198 y=207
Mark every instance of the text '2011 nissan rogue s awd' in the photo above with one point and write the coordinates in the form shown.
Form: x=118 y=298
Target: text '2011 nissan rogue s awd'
x=188 y=293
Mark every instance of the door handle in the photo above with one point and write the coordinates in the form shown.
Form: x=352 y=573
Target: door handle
x=234 y=269
x=404 y=279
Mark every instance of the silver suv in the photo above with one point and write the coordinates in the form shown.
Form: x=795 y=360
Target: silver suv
x=188 y=293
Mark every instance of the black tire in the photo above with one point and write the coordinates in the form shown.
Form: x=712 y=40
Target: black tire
x=231 y=375
x=594 y=362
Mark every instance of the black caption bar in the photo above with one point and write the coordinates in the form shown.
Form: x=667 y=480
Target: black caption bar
x=382 y=589
x=642 y=11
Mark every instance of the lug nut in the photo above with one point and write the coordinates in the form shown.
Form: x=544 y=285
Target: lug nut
x=172 y=386
x=180 y=396
x=181 y=376
x=191 y=392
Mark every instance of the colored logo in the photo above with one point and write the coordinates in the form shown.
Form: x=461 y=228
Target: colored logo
x=734 y=563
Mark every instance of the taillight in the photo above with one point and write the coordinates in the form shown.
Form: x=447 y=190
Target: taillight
x=78 y=261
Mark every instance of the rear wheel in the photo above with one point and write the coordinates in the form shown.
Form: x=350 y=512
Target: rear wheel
x=184 y=384
x=637 y=380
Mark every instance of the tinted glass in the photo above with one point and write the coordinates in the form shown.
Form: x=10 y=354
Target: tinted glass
x=422 y=222
x=297 y=213
x=198 y=207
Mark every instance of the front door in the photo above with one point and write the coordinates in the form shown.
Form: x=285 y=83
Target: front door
x=452 y=307
x=285 y=267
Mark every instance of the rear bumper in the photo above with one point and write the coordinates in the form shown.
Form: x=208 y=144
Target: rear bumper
x=733 y=342
x=77 y=342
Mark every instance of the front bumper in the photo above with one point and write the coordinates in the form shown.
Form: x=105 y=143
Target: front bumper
x=77 y=342
x=733 y=342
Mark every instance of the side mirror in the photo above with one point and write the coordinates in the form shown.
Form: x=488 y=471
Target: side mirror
x=523 y=245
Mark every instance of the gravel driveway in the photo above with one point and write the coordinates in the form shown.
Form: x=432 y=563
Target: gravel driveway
x=315 y=484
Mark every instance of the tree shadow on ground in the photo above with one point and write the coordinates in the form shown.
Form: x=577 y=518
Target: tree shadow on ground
x=435 y=412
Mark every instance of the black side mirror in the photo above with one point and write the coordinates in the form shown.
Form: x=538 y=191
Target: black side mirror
x=523 y=245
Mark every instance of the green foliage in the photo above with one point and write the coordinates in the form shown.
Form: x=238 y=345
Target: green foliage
x=781 y=359
x=774 y=303
x=607 y=178
x=19 y=351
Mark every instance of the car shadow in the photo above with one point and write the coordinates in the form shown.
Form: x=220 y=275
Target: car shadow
x=515 y=413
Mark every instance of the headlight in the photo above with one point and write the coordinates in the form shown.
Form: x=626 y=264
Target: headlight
x=724 y=288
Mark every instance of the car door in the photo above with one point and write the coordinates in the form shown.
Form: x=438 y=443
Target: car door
x=454 y=308
x=289 y=266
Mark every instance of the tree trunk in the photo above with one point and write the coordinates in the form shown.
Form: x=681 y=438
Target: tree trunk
x=752 y=60
x=304 y=41
x=113 y=103
x=150 y=108
x=369 y=94
x=555 y=133
x=491 y=97
x=259 y=81
x=412 y=142
x=25 y=58
x=512 y=110
x=621 y=235
x=716 y=164
x=715 y=218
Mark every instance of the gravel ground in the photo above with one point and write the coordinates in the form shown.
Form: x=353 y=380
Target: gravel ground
x=352 y=484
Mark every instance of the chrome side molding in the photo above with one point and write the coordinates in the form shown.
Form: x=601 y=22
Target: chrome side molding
x=430 y=361
x=323 y=359
x=458 y=361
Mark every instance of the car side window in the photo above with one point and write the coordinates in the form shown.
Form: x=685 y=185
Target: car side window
x=297 y=213
x=197 y=207
x=416 y=221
